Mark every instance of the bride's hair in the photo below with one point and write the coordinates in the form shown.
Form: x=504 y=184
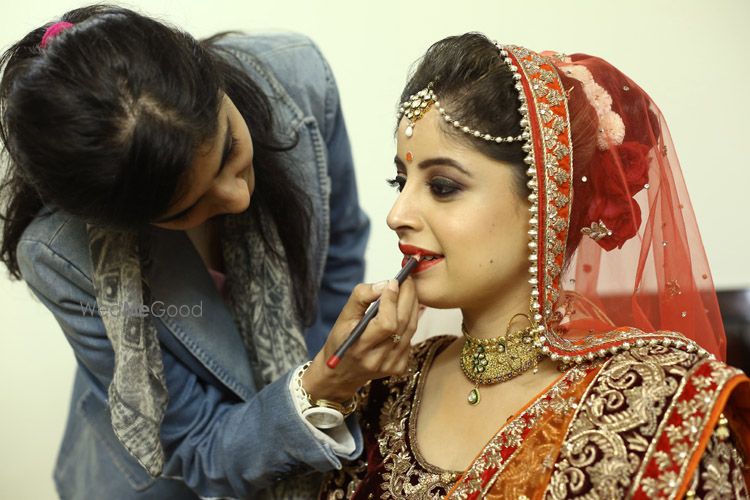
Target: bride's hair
x=476 y=87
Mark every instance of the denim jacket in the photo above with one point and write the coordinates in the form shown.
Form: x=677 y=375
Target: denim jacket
x=222 y=437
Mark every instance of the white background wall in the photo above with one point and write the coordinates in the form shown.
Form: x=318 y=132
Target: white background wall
x=690 y=55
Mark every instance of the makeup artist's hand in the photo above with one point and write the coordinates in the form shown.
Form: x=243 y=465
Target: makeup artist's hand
x=375 y=354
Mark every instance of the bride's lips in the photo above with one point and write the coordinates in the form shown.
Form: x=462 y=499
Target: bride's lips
x=424 y=264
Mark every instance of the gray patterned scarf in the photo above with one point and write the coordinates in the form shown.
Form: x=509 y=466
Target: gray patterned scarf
x=138 y=391
x=259 y=297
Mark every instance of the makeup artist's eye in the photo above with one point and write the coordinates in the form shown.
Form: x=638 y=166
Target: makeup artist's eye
x=442 y=187
x=397 y=182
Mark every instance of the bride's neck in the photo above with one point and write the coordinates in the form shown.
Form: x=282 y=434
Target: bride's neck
x=492 y=320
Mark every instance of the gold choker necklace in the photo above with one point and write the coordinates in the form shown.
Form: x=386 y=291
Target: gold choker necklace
x=490 y=361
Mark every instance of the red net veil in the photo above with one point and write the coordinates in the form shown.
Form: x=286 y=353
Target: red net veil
x=616 y=256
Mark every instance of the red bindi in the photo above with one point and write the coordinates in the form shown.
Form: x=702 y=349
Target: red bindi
x=409 y=156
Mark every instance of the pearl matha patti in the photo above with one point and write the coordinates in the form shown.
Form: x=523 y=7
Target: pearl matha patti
x=421 y=102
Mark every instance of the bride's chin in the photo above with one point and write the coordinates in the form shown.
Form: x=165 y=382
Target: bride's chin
x=428 y=297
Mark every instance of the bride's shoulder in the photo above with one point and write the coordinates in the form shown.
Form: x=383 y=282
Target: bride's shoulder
x=681 y=357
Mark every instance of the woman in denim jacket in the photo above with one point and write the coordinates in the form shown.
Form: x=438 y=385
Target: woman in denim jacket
x=134 y=151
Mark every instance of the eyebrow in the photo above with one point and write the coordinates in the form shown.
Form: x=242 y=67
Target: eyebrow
x=224 y=156
x=432 y=162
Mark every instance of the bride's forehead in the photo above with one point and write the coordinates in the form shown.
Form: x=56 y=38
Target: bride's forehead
x=428 y=132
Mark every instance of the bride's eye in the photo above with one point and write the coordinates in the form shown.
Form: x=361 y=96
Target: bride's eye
x=442 y=187
x=397 y=182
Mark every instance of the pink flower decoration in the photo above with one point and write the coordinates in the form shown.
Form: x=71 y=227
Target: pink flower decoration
x=580 y=73
x=599 y=98
x=611 y=126
x=611 y=130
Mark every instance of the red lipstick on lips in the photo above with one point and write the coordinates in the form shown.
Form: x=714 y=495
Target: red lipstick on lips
x=409 y=250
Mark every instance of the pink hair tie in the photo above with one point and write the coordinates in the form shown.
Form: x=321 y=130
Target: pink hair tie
x=53 y=31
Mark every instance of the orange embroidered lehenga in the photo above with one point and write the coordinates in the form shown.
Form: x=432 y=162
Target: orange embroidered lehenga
x=640 y=411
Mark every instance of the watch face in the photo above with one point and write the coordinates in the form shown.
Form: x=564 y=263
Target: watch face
x=323 y=418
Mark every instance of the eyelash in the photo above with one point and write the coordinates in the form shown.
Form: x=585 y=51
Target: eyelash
x=439 y=186
x=397 y=182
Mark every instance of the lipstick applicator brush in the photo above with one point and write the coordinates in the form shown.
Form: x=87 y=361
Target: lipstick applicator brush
x=370 y=313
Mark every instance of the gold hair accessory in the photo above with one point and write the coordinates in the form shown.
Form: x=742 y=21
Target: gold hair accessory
x=421 y=102
x=415 y=108
x=490 y=361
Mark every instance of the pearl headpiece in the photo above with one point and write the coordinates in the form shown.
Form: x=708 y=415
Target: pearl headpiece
x=418 y=104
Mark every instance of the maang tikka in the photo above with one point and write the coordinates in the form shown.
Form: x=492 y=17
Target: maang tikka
x=421 y=102
x=416 y=107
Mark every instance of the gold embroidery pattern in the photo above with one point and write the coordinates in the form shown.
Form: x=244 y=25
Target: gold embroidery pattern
x=405 y=475
x=480 y=477
x=550 y=158
x=344 y=483
x=623 y=426
x=617 y=340
x=665 y=467
x=719 y=475
x=611 y=431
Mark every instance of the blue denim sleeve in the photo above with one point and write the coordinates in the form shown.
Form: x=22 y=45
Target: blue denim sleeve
x=217 y=445
x=349 y=225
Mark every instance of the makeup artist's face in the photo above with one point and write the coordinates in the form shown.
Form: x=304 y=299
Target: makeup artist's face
x=220 y=179
x=461 y=206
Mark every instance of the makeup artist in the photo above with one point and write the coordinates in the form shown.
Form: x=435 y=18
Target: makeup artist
x=134 y=151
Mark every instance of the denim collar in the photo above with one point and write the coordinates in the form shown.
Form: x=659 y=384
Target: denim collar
x=207 y=330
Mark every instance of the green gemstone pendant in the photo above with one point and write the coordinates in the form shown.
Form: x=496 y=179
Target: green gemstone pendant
x=474 y=397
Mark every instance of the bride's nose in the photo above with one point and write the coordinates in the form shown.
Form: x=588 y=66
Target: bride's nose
x=404 y=214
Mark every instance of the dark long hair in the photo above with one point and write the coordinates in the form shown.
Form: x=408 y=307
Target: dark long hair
x=103 y=123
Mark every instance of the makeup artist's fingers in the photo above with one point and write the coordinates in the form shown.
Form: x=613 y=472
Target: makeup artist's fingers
x=407 y=297
x=399 y=364
x=363 y=355
x=395 y=356
x=411 y=329
x=399 y=354
x=396 y=360
x=378 y=349
x=385 y=323
x=360 y=299
x=399 y=318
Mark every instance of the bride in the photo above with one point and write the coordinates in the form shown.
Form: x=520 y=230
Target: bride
x=545 y=198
